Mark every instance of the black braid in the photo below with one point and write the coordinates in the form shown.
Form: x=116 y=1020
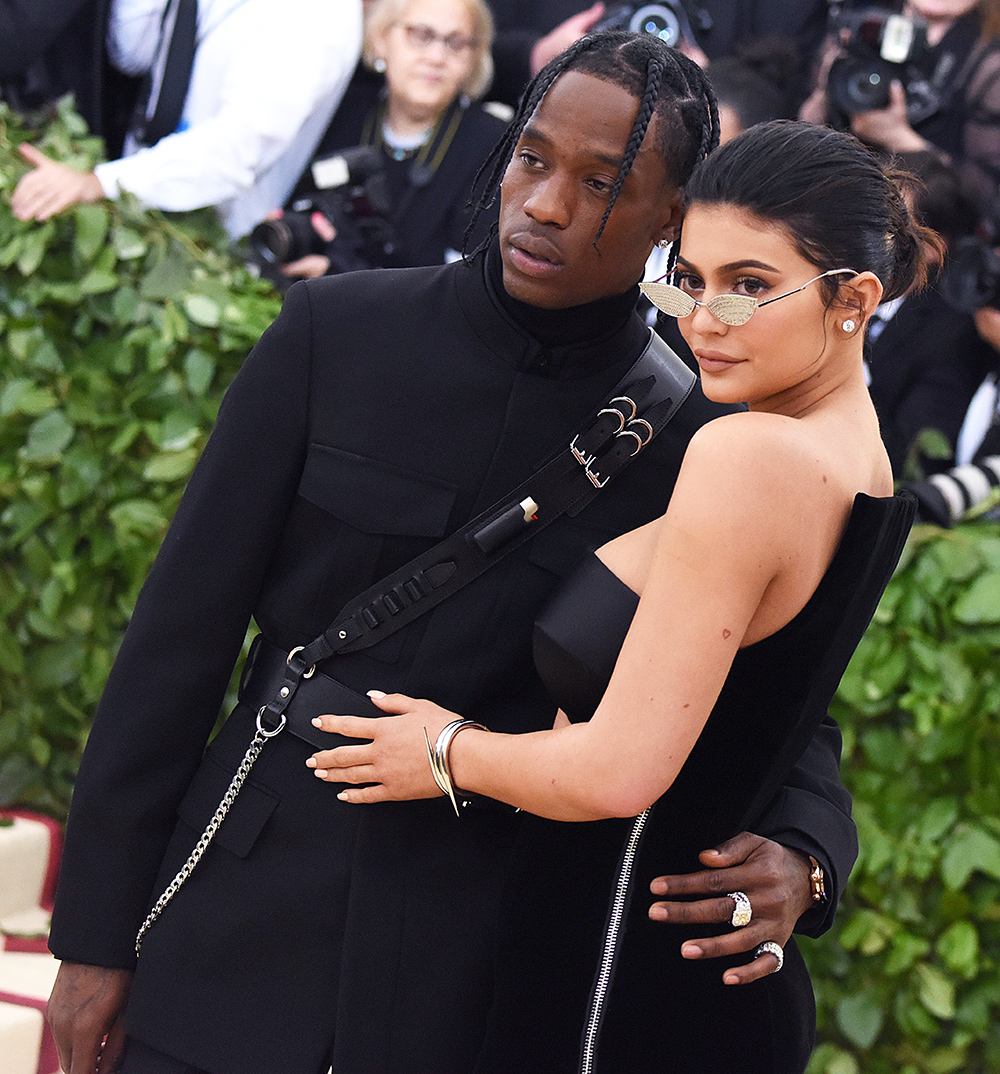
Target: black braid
x=666 y=83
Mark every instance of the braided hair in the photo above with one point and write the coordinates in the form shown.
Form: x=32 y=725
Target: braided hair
x=666 y=83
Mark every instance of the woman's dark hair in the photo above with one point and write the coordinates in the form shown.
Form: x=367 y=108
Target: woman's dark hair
x=666 y=84
x=839 y=204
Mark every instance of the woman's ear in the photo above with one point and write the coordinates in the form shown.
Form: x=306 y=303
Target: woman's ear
x=862 y=294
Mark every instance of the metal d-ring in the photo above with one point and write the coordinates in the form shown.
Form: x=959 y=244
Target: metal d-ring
x=298 y=649
x=260 y=723
x=639 y=442
x=649 y=428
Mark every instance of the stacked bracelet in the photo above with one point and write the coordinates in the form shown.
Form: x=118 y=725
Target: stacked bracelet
x=438 y=756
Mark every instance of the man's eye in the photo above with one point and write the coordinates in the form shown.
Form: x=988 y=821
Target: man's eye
x=600 y=186
x=529 y=159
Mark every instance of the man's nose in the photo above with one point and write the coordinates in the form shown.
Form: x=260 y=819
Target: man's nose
x=551 y=202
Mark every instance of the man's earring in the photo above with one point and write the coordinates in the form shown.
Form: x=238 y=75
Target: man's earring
x=848 y=325
x=663 y=243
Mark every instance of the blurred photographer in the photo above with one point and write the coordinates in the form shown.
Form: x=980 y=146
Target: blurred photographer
x=924 y=356
x=923 y=77
x=413 y=112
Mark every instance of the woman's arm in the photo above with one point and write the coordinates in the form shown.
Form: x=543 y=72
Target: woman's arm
x=731 y=551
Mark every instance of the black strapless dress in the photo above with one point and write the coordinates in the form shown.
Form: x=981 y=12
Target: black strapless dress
x=585 y=981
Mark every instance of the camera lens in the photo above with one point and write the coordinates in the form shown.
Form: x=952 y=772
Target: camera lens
x=659 y=20
x=858 y=86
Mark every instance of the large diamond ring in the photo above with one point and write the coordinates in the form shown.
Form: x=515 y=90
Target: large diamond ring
x=742 y=913
x=769 y=947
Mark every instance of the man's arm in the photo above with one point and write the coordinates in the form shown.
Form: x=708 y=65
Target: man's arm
x=810 y=815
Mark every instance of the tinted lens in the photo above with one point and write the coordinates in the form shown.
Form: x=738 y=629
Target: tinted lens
x=669 y=299
x=733 y=309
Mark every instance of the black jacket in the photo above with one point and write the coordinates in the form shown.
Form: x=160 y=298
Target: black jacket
x=379 y=412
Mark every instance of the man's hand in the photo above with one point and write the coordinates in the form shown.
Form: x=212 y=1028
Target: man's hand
x=51 y=187
x=888 y=127
x=774 y=878
x=86 y=1011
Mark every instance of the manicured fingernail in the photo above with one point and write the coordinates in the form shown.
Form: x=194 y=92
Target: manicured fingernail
x=376 y=693
x=343 y=796
x=690 y=950
x=321 y=772
x=317 y=722
x=310 y=762
x=730 y=978
x=658 y=913
x=658 y=887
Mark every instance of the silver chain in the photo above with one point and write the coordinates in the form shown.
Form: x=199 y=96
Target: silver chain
x=251 y=755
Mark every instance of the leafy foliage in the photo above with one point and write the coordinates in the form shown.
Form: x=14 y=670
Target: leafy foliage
x=119 y=331
x=908 y=980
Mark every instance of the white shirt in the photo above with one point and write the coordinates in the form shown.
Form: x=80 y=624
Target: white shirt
x=266 y=79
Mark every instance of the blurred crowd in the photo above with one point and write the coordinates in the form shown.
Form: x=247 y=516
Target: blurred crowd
x=333 y=135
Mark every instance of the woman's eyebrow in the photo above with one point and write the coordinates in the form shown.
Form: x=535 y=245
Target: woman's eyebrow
x=735 y=266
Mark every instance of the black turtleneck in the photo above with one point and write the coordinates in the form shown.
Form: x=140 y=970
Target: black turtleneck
x=559 y=327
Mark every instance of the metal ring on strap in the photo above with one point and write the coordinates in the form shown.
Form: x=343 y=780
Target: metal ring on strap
x=649 y=428
x=624 y=399
x=639 y=442
x=260 y=723
x=298 y=649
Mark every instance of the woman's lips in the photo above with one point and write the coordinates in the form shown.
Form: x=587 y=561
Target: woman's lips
x=713 y=362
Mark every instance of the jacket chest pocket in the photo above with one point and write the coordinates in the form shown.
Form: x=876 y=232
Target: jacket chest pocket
x=356 y=519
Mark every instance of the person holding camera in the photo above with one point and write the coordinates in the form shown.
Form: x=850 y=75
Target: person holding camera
x=414 y=104
x=935 y=75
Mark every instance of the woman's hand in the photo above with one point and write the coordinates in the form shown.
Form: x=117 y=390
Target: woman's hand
x=395 y=761
x=51 y=187
x=888 y=127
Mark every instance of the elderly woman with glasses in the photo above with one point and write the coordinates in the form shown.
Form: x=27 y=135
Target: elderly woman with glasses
x=425 y=65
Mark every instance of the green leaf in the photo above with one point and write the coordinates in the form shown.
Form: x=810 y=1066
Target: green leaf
x=48 y=437
x=968 y=851
x=202 y=310
x=167 y=279
x=24 y=397
x=980 y=603
x=958 y=946
x=860 y=1018
x=170 y=466
x=91 y=228
x=199 y=370
x=936 y=991
x=128 y=244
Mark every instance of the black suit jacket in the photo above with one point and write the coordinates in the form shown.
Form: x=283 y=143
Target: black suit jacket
x=379 y=412
x=925 y=366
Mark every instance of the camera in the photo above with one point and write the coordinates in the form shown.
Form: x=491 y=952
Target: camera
x=351 y=191
x=668 y=20
x=971 y=279
x=944 y=498
x=879 y=46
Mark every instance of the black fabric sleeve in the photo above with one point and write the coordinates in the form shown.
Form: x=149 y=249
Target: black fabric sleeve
x=169 y=679
x=812 y=814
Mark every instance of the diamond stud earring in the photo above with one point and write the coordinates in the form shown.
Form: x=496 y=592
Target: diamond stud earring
x=848 y=325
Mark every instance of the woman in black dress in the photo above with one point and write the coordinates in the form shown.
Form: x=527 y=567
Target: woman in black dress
x=694 y=656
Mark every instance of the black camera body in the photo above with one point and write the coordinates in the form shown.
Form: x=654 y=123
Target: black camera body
x=669 y=20
x=353 y=194
x=879 y=46
x=971 y=279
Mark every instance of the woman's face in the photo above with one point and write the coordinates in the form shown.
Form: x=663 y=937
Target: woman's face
x=940 y=9
x=429 y=54
x=782 y=353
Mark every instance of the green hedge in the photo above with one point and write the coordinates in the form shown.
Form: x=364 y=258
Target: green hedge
x=908 y=981
x=119 y=330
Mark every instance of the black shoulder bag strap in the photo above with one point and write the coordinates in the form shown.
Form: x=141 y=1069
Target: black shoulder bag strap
x=641 y=404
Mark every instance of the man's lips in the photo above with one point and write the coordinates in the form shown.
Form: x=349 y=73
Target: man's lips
x=534 y=255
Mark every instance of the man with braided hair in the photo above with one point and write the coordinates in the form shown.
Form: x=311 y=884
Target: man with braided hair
x=379 y=413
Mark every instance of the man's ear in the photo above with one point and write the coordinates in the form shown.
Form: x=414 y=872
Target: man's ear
x=671 y=227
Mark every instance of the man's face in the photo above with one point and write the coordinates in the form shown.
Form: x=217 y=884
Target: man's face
x=556 y=188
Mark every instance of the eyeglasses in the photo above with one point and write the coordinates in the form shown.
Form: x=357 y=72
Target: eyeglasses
x=733 y=310
x=422 y=37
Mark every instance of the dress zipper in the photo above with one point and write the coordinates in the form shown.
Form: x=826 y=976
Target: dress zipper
x=610 y=943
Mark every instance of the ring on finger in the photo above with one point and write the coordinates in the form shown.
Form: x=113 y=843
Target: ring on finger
x=769 y=947
x=743 y=912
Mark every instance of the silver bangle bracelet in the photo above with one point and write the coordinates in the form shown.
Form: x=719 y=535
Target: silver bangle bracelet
x=438 y=755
